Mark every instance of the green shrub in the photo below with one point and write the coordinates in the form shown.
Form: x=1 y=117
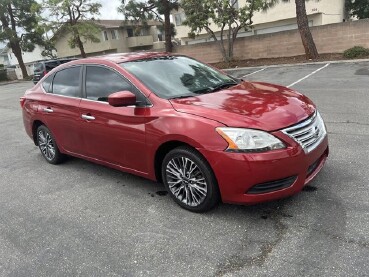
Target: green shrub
x=356 y=52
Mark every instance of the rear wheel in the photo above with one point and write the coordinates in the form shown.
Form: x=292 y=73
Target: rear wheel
x=190 y=180
x=48 y=147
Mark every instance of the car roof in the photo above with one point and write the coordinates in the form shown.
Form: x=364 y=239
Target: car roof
x=56 y=60
x=124 y=57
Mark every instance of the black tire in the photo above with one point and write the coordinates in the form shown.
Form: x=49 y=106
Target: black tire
x=48 y=147
x=187 y=188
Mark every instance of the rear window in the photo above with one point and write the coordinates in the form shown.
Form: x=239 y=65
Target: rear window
x=51 y=65
x=66 y=61
x=39 y=67
x=46 y=83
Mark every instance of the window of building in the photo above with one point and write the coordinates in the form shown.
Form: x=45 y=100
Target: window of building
x=130 y=32
x=179 y=18
x=105 y=35
x=114 y=34
x=66 y=82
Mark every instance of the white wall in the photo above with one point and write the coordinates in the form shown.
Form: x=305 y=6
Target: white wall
x=29 y=58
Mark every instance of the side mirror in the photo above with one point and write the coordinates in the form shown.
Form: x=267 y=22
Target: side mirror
x=122 y=99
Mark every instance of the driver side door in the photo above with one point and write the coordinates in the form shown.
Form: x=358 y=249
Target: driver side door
x=114 y=135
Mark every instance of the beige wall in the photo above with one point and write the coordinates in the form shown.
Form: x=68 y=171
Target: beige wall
x=332 y=38
x=321 y=12
x=119 y=45
x=64 y=49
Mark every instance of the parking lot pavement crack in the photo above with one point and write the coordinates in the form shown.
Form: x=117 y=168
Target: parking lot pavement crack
x=345 y=134
x=362 y=244
x=6 y=108
x=347 y=122
x=236 y=263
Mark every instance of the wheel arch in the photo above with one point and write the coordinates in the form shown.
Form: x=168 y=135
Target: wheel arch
x=35 y=125
x=161 y=152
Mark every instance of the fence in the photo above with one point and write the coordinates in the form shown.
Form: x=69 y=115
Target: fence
x=332 y=38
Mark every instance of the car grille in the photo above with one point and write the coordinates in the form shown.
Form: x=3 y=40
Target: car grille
x=308 y=133
x=272 y=185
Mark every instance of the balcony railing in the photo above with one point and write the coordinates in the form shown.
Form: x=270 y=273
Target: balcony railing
x=140 y=41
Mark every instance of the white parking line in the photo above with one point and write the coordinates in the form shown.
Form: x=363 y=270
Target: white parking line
x=307 y=76
x=254 y=72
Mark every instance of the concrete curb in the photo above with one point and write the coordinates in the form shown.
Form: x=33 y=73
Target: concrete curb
x=296 y=64
x=13 y=82
x=8 y=83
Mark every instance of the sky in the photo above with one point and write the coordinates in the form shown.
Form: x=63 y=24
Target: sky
x=109 y=9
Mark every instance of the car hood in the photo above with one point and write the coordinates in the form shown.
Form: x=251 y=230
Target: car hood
x=250 y=105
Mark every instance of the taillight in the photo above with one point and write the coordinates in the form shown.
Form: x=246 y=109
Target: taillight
x=22 y=101
x=45 y=72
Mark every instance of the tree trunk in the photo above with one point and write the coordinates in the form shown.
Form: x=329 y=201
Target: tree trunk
x=14 y=41
x=229 y=43
x=18 y=54
x=80 y=46
x=167 y=27
x=221 y=42
x=303 y=25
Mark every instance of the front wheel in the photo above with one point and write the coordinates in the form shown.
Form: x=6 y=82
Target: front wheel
x=190 y=180
x=48 y=147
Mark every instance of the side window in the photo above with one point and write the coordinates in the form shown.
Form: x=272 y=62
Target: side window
x=66 y=82
x=51 y=65
x=46 y=84
x=101 y=82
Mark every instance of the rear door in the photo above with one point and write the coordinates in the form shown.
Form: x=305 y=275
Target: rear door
x=113 y=134
x=60 y=107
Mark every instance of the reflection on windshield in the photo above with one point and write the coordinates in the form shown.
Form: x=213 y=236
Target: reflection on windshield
x=175 y=76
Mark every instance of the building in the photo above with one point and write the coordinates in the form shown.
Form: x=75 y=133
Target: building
x=279 y=18
x=4 y=60
x=29 y=58
x=116 y=37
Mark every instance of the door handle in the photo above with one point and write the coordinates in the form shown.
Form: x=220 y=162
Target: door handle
x=48 y=110
x=88 y=117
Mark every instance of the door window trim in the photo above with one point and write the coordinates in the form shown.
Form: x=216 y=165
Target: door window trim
x=80 y=94
x=84 y=93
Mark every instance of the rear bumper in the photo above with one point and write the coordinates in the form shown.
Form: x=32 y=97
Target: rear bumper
x=239 y=174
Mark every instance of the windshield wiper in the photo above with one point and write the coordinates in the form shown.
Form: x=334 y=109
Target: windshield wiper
x=215 y=88
x=223 y=86
x=181 y=96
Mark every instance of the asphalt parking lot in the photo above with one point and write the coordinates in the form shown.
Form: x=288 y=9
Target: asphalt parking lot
x=82 y=219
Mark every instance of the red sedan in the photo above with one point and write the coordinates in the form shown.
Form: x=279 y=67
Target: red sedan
x=205 y=135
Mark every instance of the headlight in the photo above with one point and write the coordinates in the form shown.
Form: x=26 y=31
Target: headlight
x=248 y=140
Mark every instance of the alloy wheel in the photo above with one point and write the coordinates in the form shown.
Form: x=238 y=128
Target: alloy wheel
x=186 y=181
x=46 y=145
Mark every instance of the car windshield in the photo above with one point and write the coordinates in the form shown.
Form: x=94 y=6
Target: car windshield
x=177 y=77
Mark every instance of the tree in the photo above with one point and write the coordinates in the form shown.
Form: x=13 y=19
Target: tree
x=358 y=8
x=139 y=11
x=19 y=27
x=226 y=16
x=303 y=25
x=77 y=18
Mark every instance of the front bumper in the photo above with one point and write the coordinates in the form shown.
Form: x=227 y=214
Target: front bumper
x=238 y=173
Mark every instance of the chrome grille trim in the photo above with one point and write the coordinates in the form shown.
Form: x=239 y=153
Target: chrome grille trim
x=308 y=133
